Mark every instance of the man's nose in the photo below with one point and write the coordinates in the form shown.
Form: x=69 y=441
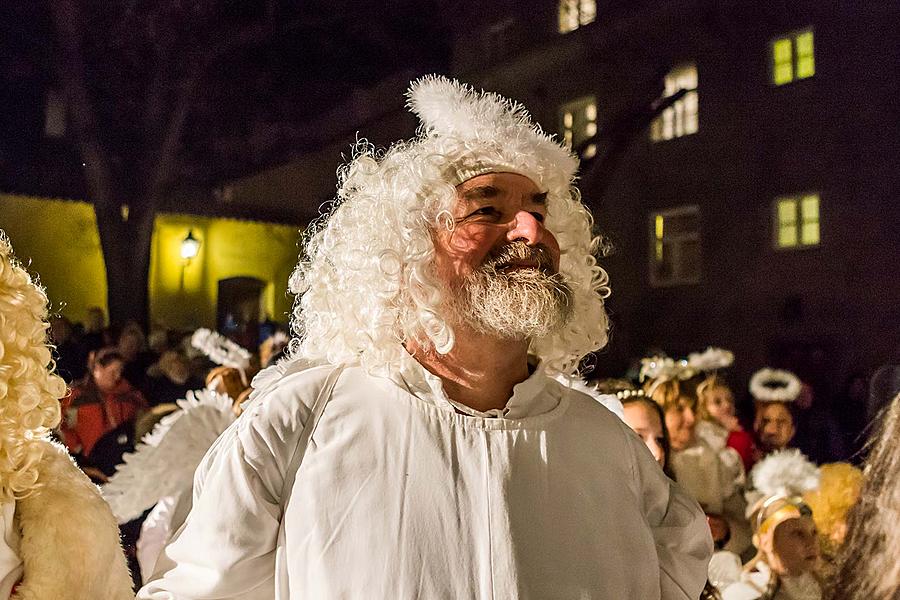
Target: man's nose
x=526 y=227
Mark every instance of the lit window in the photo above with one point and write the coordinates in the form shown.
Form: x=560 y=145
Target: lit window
x=796 y=221
x=576 y=13
x=793 y=57
x=682 y=117
x=578 y=123
x=675 y=246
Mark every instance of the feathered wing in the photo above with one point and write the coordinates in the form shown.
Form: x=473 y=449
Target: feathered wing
x=163 y=464
x=220 y=349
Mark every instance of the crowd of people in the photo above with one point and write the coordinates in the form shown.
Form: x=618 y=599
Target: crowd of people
x=428 y=434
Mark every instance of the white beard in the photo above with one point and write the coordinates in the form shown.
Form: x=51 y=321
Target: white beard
x=523 y=303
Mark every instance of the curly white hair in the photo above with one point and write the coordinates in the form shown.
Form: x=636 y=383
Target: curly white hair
x=365 y=281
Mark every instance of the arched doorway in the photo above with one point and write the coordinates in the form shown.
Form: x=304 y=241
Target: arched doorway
x=238 y=309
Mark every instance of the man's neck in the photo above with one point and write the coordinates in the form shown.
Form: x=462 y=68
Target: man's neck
x=481 y=371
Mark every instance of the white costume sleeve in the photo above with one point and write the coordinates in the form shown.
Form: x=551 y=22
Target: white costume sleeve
x=683 y=541
x=227 y=546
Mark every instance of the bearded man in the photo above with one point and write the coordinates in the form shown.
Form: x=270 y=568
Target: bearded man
x=409 y=448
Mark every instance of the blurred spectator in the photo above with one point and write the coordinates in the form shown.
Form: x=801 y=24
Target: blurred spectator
x=776 y=394
x=68 y=352
x=169 y=379
x=867 y=564
x=98 y=404
x=718 y=423
x=646 y=418
x=94 y=334
x=131 y=346
x=773 y=424
x=714 y=477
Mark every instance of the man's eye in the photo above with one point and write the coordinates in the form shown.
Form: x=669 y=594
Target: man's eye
x=484 y=211
x=538 y=217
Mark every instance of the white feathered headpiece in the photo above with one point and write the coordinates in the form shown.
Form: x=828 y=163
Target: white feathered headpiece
x=664 y=368
x=711 y=359
x=786 y=472
x=221 y=350
x=482 y=132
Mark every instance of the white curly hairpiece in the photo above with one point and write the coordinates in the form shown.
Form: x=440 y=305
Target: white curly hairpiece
x=29 y=390
x=365 y=282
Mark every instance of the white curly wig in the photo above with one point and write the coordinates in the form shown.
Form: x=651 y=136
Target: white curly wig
x=29 y=391
x=365 y=281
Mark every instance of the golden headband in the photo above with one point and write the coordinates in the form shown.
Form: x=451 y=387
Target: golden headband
x=794 y=508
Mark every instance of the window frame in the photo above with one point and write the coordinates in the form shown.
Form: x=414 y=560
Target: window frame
x=579 y=12
x=655 y=245
x=657 y=126
x=793 y=37
x=568 y=132
x=799 y=222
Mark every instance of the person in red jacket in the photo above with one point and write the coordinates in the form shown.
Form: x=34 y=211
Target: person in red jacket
x=99 y=403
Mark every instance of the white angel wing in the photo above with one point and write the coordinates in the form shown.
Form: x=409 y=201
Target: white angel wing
x=163 y=464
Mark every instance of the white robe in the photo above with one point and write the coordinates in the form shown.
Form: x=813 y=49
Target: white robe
x=10 y=561
x=400 y=495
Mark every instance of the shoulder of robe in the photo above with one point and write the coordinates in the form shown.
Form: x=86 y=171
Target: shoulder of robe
x=586 y=405
x=284 y=400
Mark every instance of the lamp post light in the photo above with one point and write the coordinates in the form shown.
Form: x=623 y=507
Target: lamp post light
x=190 y=248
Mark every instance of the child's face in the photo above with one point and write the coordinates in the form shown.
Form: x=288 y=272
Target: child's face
x=720 y=404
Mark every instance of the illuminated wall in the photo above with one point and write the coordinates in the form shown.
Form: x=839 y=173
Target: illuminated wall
x=58 y=241
x=183 y=294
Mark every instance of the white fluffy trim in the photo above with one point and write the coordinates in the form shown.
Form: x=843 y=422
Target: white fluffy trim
x=70 y=541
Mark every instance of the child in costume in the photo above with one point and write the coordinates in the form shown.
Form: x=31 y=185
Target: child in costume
x=713 y=475
x=58 y=538
x=786 y=566
x=718 y=423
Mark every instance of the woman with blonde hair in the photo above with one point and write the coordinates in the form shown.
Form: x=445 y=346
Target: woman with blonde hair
x=57 y=537
x=714 y=476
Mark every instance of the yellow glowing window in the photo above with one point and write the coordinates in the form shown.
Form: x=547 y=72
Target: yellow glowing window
x=797 y=221
x=578 y=121
x=675 y=246
x=682 y=118
x=576 y=13
x=793 y=57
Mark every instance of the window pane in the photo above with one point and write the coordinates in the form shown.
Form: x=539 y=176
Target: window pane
x=805 y=44
x=781 y=50
x=588 y=11
x=806 y=67
x=809 y=208
x=568 y=15
x=787 y=212
x=782 y=61
x=689 y=261
x=809 y=234
x=787 y=237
